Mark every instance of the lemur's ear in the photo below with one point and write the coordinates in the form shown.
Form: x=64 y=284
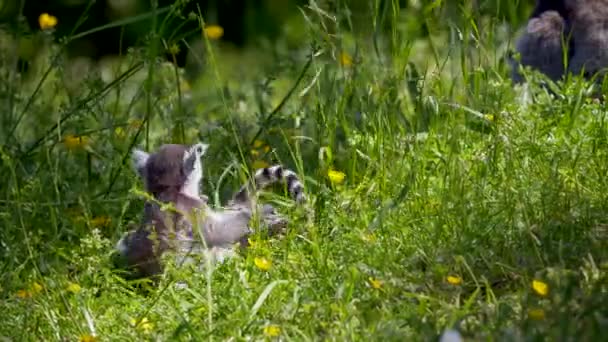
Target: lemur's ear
x=139 y=159
x=200 y=149
x=193 y=155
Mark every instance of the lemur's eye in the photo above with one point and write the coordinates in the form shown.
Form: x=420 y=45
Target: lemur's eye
x=199 y=150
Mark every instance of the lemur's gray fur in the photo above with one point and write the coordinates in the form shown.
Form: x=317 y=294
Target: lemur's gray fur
x=589 y=22
x=172 y=175
x=541 y=46
x=575 y=29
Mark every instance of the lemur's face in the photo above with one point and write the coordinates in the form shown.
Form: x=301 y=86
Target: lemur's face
x=172 y=168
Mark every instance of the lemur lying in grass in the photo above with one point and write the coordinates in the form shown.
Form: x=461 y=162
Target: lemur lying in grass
x=565 y=36
x=172 y=175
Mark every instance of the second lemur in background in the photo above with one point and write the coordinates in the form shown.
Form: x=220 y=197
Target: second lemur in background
x=564 y=36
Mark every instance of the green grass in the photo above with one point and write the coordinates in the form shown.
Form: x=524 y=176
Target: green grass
x=450 y=172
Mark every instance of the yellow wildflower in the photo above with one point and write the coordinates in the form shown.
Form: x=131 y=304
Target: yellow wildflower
x=173 y=49
x=454 y=280
x=258 y=144
x=73 y=287
x=259 y=164
x=23 y=294
x=120 y=132
x=262 y=263
x=489 y=117
x=368 y=237
x=47 y=21
x=541 y=288
x=255 y=153
x=214 y=31
x=375 y=283
x=73 y=142
x=266 y=148
x=143 y=325
x=101 y=221
x=35 y=288
x=336 y=177
x=272 y=330
x=87 y=338
x=345 y=59
x=536 y=314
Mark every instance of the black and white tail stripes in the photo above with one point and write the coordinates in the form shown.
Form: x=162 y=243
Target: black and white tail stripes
x=270 y=175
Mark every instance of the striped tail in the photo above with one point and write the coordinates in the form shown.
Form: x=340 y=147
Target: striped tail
x=270 y=175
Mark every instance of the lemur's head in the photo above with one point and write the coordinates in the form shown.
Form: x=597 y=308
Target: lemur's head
x=172 y=170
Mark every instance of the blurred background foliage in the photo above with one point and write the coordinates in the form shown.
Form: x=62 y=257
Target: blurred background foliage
x=121 y=24
x=116 y=38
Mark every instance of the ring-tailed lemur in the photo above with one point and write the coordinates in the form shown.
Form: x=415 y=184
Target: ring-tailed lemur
x=589 y=23
x=541 y=45
x=578 y=28
x=173 y=175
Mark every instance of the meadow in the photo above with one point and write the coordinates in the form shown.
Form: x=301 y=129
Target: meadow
x=441 y=195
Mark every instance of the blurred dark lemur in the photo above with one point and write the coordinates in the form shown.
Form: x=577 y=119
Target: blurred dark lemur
x=564 y=31
x=590 y=33
x=172 y=175
x=542 y=46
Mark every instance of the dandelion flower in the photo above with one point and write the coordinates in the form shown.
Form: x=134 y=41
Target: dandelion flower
x=259 y=164
x=336 y=177
x=101 y=221
x=73 y=142
x=272 y=330
x=454 y=280
x=536 y=314
x=47 y=21
x=489 y=117
x=541 y=288
x=345 y=59
x=375 y=283
x=214 y=32
x=262 y=263
x=73 y=287
x=87 y=338
x=143 y=325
